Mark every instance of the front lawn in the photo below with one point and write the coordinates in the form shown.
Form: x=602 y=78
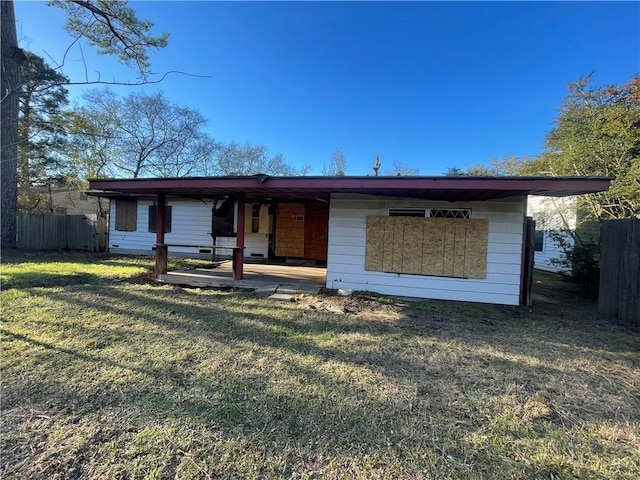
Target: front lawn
x=109 y=375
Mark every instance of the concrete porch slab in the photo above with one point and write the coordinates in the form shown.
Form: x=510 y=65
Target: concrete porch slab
x=261 y=278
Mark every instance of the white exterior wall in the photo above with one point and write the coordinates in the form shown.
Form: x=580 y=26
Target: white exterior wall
x=190 y=225
x=552 y=215
x=347 y=243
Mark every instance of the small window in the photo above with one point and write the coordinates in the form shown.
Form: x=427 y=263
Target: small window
x=450 y=213
x=255 y=217
x=223 y=225
x=153 y=211
x=126 y=215
x=407 y=212
x=539 y=242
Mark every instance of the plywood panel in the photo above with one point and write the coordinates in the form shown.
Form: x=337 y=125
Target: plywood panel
x=459 y=250
x=433 y=250
x=477 y=244
x=449 y=243
x=427 y=246
x=413 y=241
x=374 y=249
x=290 y=230
x=389 y=240
x=398 y=225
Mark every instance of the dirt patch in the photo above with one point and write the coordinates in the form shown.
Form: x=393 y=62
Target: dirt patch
x=358 y=304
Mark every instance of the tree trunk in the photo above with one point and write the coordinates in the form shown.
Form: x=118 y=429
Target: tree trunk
x=10 y=83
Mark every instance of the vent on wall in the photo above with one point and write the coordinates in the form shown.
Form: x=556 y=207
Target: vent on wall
x=407 y=212
x=450 y=213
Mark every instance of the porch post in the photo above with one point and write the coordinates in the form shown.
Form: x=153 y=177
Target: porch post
x=161 y=249
x=238 y=253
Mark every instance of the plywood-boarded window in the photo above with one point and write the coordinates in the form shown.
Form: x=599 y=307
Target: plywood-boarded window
x=126 y=214
x=445 y=247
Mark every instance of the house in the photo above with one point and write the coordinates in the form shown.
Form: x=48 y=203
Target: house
x=451 y=238
x=558 y=222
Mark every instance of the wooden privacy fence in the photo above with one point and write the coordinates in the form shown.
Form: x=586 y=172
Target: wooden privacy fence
x=41 y=231
x=620 y=271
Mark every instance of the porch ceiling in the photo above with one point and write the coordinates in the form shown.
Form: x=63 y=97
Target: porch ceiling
x=309 y=188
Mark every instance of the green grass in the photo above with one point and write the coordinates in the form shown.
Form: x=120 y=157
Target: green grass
x=108 y=375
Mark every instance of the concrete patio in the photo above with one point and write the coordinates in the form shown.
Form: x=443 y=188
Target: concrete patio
x=262 y=277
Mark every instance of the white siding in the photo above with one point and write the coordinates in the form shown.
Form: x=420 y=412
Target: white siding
x=190 y=225
x=552 y=215
x=347 y=239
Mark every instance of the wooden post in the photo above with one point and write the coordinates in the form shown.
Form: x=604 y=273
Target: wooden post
x=528 y=251
x=238 y=254
x=162 y=252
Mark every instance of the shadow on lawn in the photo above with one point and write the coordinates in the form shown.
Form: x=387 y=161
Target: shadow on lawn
x=338 y=414
x=228 y=325
x=50 y=279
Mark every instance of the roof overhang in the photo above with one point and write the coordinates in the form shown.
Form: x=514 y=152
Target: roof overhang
x=261 y=187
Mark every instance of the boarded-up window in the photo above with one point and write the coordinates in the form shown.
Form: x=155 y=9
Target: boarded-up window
x=427 y=246
x=126 y=215
x=153 y=212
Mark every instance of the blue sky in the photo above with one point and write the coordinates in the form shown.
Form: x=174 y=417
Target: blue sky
x=427 y=84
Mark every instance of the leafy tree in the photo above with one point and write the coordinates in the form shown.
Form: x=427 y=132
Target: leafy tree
x=41 y=130
x=401 y=170
x=597 y=133
x=337 y=165
x=141 y=135
x=113 y=27
x=245 y=159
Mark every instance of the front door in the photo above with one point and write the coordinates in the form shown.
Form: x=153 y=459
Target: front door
x=316 y=229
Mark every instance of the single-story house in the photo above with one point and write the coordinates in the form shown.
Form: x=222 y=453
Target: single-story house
x=451 y=238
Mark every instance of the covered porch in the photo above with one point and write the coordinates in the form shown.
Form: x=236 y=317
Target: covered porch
x=298 y=212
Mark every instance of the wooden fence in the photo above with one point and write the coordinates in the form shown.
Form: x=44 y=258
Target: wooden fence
x=620 y=271
x=41 y=231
